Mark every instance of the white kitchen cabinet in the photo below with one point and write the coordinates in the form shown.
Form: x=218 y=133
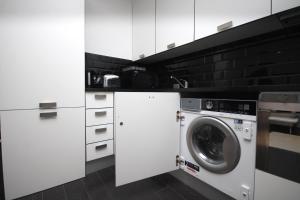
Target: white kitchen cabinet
x=108 y=28
x=99 y=150
x=99 y=100
x=41 y=53
x=99 y=116
x=143 y=28
x=211 y=14
x=99 y=133
x=41 y=149
x=281 y=5
x=174 y=23
x=146 y=134
x=99 y=128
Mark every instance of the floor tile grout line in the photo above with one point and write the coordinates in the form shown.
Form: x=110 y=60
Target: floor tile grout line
x=162 y=189
x=65 y=192
x=177 y=193
x=85 y=189
x=105 y=187
x=110 y=196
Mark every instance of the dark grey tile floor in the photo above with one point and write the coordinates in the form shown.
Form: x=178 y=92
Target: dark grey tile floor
x=101 y=186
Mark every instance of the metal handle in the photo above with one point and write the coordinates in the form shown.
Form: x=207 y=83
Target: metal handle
x=171 y=46
x=225 y=26
x=287 y=120
x=100 y=113
x=48 y=105
x=100 y=130
x=100 y=96
x=142 y=56
x=100 y=147
x=48 y=115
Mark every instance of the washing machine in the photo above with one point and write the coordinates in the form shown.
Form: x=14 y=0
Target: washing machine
x=218 y=142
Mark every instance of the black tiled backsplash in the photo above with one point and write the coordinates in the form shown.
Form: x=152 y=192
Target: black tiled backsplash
x=267 y=60
x=105 y=64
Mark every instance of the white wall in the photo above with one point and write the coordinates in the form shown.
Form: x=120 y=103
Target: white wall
x=108 y=28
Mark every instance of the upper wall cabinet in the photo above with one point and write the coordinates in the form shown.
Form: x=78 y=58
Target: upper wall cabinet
x=212 y=16
x=143 y=30
x=41 y=53
x=281 y=5
x=174 y=23
x=108 y=28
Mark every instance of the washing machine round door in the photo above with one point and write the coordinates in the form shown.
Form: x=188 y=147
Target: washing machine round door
x=213 y=144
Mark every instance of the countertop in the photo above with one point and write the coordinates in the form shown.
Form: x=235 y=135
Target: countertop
x=242 y=92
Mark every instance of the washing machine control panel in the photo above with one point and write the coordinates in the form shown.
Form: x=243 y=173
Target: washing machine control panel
x=229 y=106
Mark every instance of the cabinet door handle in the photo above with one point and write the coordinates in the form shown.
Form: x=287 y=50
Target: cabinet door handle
x=100 y=113
x=100 y=147
x=48 y=105
x=225 y=26
x=100 y=130
x=171 y=46
x=48 y=115
x=142 y=56
x=100 y=96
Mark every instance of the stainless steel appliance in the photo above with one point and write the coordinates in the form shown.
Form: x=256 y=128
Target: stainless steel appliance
x=278 y=146
x=218 y=139
x=1 y=171
x=111 y=81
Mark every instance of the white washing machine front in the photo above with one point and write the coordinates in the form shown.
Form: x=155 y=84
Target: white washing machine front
x=219 y=149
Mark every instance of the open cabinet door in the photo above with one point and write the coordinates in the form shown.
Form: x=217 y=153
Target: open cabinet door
x=146 y=134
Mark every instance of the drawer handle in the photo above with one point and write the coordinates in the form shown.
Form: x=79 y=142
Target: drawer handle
x=49 y=105
x=100 y=96
x=142 y=56
x=171 y=46
x=48 y=115
x=100 y=147
x=101 y=113
x=225 y=26
x=100 y=130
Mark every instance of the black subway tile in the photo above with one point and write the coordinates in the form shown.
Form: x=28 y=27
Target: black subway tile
x=218 y=75
x=233 y=74
x=224 y=65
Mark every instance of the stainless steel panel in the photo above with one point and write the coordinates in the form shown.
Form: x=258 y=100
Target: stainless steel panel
x=191 y=104
x=278 y=137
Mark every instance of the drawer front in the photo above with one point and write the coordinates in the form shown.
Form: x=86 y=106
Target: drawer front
x=99 y=100
x=99 y=116
x=99 y=133
x=99 y=150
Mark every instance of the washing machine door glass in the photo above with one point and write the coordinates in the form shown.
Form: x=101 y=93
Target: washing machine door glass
x=213 y=144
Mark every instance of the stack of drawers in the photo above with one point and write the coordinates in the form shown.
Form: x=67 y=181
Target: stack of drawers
x=99 y=125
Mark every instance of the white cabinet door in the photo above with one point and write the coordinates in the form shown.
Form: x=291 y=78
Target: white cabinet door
x=108 y=28
x=146 y=134
x=281 y=5
x=209 y=14
x=40 y=152
x=41 y=53
x=174 y=23
x=143 y=28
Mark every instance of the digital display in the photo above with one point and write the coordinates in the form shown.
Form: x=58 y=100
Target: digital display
x=230 y=106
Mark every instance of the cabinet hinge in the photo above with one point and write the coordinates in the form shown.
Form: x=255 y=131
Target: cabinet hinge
x=178 y=116
x=179 y=160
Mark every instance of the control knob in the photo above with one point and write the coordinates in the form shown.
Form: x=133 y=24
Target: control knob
x=209 y=105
